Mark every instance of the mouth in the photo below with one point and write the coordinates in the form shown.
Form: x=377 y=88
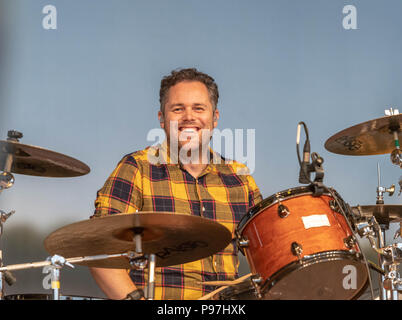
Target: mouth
x=189 y=130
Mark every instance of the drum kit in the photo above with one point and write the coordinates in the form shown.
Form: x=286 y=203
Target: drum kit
x=300 y=243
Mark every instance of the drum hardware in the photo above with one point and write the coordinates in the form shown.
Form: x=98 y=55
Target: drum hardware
x=243 y=243
x=350 y=241
x=382 y=190
x=30 y=160
x=142 y=261
x=283 y=211
x=57 y=262
x=334 y=206
x=306 y=168
x=6 y=276
x=139 y=262
x=389 y=257
x=256 y=281
x=6 y=180
x=297 y=250
x=398 y=233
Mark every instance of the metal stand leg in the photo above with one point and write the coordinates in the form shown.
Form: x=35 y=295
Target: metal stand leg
x=151 y=277
x=1 y=277
x=381 y=262
x=57 y=262
x=387 y=293
x=55 y=276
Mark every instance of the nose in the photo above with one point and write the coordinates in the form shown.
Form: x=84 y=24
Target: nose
x=188 y=114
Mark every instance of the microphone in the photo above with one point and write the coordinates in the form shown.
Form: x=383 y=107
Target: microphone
x=305 y=165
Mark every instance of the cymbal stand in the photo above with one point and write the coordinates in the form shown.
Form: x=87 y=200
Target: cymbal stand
x=140 y=261
x=6 y=182
x=389 y=258
x=57 y=262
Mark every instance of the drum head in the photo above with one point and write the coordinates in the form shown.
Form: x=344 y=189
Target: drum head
x=328 y=276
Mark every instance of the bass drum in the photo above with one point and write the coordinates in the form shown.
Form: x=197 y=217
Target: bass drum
x=36 y=296
x=301 y=247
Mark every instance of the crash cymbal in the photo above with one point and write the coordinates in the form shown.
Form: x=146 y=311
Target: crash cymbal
x=369 y=138
x=36 y=161
x=390 y=212
x=174 y=238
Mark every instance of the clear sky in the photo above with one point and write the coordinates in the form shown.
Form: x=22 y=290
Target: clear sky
x=90 y=88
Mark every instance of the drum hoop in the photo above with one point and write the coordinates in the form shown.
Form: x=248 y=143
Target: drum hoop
x=46 y=296
x=272 y=200
x=308 y=260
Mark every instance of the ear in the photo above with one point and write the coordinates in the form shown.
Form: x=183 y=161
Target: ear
x=161 y=119
x=216 y=118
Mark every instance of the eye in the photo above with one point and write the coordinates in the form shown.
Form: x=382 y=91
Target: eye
x=177 y=109
x=199 y=108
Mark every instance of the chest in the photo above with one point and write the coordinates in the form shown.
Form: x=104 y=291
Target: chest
x=214 y=195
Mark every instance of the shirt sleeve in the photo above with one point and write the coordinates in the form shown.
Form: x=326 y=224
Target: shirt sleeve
x=122 y=191
x=254 y=194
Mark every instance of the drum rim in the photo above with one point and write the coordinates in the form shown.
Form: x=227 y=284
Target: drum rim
x=308 y=260
x=272 y=200
x=47 y=295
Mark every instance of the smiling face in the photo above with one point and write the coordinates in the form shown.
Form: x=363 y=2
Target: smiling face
x=188 y=105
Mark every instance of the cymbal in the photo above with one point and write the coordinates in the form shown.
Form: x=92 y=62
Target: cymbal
x=388 y=211
x=369 y=138
x=174 y=238
x=37 y=161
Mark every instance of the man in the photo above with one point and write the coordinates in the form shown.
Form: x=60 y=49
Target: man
x=179 y=176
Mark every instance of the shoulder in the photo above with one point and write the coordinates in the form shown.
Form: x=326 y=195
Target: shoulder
x=135 y=158
x=229 y=166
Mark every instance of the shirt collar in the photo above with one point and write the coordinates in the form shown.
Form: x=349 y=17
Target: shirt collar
x=161 y=154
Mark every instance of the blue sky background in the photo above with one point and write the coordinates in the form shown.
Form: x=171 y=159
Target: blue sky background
x=90 y=89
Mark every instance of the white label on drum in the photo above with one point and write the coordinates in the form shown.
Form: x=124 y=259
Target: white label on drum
x=314 y=221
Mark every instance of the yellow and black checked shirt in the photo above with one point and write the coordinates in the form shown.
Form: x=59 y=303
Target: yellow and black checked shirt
x=220 y=193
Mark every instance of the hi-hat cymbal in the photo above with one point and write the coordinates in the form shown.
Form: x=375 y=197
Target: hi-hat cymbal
x=174 y=238
x=369 y=138
x=37 y=161
x=391 y=212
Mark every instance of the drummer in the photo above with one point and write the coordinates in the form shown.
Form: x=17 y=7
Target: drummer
x=180 y=175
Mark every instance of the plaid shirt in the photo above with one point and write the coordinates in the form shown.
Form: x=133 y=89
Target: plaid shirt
x=222 y=192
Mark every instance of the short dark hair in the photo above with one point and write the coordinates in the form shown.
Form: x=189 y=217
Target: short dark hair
x=190 y=74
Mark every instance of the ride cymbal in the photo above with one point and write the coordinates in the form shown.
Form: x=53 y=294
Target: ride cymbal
x=174 y=238
x=369 y=138
x=37 y=161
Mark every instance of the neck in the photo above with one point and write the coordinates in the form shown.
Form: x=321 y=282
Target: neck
x=194 y=169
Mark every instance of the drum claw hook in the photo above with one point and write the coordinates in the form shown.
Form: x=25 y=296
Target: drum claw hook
x=297 y=250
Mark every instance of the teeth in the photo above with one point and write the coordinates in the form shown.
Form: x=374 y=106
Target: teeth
x=189 y=130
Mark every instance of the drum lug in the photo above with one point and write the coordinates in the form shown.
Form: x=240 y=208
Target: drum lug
x=297 y=250
x=243 y=243
x=283 y=211
x=256 y=280
x=334 y=206
x=350 y=241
